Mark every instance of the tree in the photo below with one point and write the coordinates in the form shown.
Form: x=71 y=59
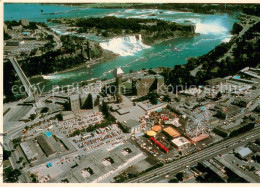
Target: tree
x=11 y=175
x=174 y=180
x=152 y=96
x=6 y=154
x=44 y=110
x=219 y=94
x=166 y=98
x=104 y=109
x=152 y=72
x=88 y=104
x=32 y=116
x=179 y=176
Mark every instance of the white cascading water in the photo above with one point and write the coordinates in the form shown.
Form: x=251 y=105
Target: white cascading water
x=210 y=28
x=125 y=46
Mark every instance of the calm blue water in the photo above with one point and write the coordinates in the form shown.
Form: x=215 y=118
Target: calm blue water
x=213 y=30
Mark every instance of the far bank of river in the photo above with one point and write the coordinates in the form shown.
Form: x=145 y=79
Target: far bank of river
x=213 y=30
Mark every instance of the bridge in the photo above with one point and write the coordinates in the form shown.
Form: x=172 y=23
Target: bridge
x=30 y=90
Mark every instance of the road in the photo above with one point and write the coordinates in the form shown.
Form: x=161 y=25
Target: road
x=159 y=173
x=56 y=37
x=241 y=33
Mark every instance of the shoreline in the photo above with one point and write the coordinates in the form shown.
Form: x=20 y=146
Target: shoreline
x=96 y=61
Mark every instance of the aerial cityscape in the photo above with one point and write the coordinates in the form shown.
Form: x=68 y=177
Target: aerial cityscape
x=131 y=93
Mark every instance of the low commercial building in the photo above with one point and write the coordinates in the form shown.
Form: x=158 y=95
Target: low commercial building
x=133 y=126
x=28 y=152
x=12 y=43
x=181 y=142
x=148 y=107
x=200 y=138
x=171 y=132
x=65 y=115
x=24 y=22
x=244 y=152
x=213 y=170
x=17 y=28
x=47 y=148
x=174 y=122
x=103 y=165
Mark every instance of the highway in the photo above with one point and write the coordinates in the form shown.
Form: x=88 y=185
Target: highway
x=159 y=173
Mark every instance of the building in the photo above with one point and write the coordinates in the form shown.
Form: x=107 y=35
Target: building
x=157 y=128
x=118 y=73
x=46 y=147
x=142 y=86
x=24 y=22
x=213 y=170
x=27 y=150
x=5 y=29
x=200 y=138
x=17 y=28
x=171 y=132
x=244 y=152
x=83 y=98
x=174 y=122
x=65 y=115
x=148 y=107
x=216 y=81
x=181 y=142
x=12 y=43
x=133 y=126
x=74 y=103
x=103 y=165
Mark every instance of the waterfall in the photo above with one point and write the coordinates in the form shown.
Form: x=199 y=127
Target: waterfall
x=210 y=28
x=124 y=46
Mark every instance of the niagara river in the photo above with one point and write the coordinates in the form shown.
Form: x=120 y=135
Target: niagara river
x=133 y=54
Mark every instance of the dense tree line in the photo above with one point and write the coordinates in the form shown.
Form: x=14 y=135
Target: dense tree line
x=238 y=59
x=32 y=25
x=110 y=25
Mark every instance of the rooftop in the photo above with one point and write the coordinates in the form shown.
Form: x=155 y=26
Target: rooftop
x=132 y=123
x=118 y=71
x=172 y=132
x=180 y=141
x=27 y=150
x=243 y=151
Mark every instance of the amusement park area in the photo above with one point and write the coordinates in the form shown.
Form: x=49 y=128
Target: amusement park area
x=170 y=136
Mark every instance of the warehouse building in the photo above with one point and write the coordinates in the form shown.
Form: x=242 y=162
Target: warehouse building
x=28 y=151
x=46 y=147
x=244 y=152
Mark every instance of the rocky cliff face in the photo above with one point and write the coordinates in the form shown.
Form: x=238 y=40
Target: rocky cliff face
x=189 y=28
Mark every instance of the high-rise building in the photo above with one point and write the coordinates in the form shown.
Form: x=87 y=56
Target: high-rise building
x=142 y=86
x=75 y=103
x=83 y=98
x=118 y=73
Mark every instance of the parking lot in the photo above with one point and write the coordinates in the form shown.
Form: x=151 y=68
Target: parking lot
x=111 y=134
